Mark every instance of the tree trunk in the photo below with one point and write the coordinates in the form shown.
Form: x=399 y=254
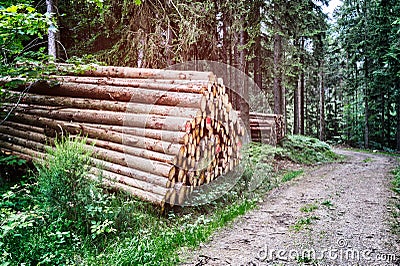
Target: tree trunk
x=296 y=107
x=243 y=83
x=278 y=104
x=321 y=102
x=236 y=64
x=257 y=49
x=382 y=117
x=366 y=78
x=302 y=87
x=366 y=111
x=52 y=45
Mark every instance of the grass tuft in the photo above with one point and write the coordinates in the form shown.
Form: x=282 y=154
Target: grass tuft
x=367 y=160
x=303 y=223
x=309 y=208
x=327 y=203
x=291 y=175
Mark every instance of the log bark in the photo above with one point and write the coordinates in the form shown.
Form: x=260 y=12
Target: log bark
x=147 y=196
x=168 y=123
x=54 y=128
x=29 y=154
x=142 y=164
x=139 y=184
x=142 y=73
x=130 y=172
x=143 y=153
x=24 y=127
x=204 y=136
x=167 y=136
x=115 y=93
x=34 y=154
x=186 y=86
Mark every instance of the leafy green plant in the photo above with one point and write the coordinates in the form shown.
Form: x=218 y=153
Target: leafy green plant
x=11 y=160
x=396 y=180
x=27 y=232
x=18 y=24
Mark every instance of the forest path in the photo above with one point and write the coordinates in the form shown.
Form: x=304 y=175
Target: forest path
x=334 y=214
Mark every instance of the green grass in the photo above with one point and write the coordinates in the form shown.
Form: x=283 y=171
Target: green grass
x=291 y=175
x=396 y=203
x=396 y=180
x=394 y=154
x=367 y=160
x=327 y=203
x=304 y=259
x=309 y=208
x=158 y=247
x=303 y=223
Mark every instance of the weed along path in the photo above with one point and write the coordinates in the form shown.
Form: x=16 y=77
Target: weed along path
x=334 y=214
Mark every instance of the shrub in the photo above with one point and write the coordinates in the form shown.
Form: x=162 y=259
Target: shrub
x=68 y=192
x=59 y=214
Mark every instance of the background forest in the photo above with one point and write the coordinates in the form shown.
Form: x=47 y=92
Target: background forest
x=337 y=79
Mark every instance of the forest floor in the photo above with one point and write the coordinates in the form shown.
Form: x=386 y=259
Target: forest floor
x=334 y=214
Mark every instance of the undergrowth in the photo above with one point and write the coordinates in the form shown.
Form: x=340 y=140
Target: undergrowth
x=396 y=210
x=57 y=216
x=306 y=150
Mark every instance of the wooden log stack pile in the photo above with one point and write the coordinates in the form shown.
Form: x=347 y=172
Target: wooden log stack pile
x=157 y=134
x=266 y=128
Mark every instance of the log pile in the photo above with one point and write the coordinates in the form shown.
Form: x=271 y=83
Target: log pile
x=157 y=134
x=266 y=128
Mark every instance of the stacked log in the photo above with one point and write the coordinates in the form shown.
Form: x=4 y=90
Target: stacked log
x=157 y=134
x=266 y=128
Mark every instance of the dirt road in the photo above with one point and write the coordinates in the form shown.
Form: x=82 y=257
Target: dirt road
x=334 y=214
